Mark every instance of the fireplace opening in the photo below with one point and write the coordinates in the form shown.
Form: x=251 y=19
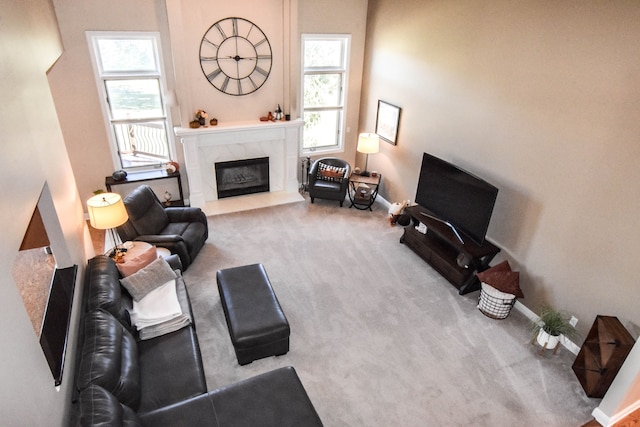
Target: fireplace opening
x=239 y=177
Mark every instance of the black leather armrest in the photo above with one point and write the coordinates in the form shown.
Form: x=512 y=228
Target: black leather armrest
x=187 y=214
x=313 y=173
x=159 y=238
x=174 y=262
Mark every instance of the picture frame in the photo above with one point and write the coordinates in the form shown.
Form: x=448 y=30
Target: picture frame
x=387 y=122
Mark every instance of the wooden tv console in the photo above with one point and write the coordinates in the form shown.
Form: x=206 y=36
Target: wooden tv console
x=441 y=248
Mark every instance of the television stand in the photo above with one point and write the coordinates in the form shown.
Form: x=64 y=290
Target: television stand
x=442 y=249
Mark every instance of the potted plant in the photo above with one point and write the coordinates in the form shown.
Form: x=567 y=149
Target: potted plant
x=551 y=324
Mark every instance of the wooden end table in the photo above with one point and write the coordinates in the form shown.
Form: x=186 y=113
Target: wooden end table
x=363 y=190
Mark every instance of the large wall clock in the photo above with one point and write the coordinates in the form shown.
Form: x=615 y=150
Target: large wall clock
x=235 y=56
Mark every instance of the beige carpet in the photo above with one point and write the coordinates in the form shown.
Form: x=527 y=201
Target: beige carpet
x=378 y=337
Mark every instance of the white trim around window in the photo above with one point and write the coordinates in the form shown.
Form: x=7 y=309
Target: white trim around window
x=325 y=75
x=129 y=73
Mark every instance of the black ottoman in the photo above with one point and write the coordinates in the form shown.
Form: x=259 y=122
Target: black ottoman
x=257 y=325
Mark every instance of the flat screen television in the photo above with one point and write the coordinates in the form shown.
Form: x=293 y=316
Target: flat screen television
x=455 y=197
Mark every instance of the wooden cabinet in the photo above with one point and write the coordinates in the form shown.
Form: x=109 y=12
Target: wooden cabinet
x=602 y=355
x=439 y=246
x=160 y=182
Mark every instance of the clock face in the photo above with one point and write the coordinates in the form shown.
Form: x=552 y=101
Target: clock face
x=235 y=56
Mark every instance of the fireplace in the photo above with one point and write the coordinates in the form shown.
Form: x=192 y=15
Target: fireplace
x=239 y=177
x=204 y=147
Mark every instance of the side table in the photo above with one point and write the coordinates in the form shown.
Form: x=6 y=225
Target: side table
x=162 y=183
x=363 y=190
x=136 y=248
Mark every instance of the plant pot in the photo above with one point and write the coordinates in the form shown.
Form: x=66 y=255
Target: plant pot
x=546 y=340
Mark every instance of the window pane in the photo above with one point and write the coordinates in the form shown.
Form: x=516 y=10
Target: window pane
x=322 y=90
x=141 y=144
x=134 y=99
x=323 y=53
x=321 y=129
x=117 y=55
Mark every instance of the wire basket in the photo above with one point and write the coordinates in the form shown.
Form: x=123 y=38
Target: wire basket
x=495 y=304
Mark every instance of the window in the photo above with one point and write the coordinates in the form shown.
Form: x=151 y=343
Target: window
x=130 y=80
x=325 y=73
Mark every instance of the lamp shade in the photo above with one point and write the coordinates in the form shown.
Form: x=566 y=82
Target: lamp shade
x=106 y=211
x=368 y=143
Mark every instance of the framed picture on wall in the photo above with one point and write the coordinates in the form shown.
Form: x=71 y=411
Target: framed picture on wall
x=387 y=122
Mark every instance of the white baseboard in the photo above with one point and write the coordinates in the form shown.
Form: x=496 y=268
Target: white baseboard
x=566 y=342
x=619 y=415
x=601 y=417
x=384 y=201
x=526 y=311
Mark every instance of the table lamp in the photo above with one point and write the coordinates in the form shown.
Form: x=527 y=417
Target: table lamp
x=368 y=143
x=106 y=212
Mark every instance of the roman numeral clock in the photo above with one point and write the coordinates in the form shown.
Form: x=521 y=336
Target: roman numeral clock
x=235 y=56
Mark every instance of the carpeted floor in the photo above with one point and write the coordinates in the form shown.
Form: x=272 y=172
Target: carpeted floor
x=378 y=338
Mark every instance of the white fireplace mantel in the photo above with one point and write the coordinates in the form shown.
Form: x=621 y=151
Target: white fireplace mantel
x=203 y=147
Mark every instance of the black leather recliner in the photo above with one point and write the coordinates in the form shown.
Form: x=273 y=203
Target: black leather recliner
x=329 y=179
x=182 y=230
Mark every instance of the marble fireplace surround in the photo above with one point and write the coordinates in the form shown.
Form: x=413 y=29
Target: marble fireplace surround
x=203 y=147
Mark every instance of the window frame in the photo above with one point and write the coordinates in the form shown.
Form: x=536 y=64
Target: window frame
x=102 y=77
x=343 y=71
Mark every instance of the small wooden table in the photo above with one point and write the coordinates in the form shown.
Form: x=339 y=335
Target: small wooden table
x=363 y=190
x=136 y=248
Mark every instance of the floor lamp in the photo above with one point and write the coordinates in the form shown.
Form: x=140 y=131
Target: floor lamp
x=368 y=143
x=106 y=212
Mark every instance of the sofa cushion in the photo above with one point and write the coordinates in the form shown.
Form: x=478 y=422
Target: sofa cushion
x=99 y=408
x=170 y=369
x=109 y=358
x=177 y=228
x=103 y=289
x=322 y=185
x=149 y=278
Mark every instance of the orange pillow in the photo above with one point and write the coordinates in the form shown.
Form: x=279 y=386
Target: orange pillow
x=133 y=264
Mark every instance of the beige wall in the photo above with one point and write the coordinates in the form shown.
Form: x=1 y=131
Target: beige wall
x=73 y=84
x=182 y=25
x=188 y=22
x=540 y=98
x=35 y=159
x=340 y=17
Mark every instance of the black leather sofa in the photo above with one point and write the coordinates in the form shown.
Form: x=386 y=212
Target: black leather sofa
x=124 y=381
x=182 y=230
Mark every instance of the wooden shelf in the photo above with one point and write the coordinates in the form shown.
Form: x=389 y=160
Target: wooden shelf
x=602 y=355
x=159 y=181
x=441 y=248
